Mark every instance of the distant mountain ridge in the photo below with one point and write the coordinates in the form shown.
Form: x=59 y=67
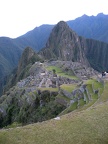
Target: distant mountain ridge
x=95 y=27
x=11 y=49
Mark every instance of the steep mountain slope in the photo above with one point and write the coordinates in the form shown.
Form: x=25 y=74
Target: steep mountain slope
x=97 y=54
x=28 y=57
x=95 y=27
x=10 y=55
x=11 y=49
x=64 y=44
x=91 y=27
x=35 y=38
x=30 y=101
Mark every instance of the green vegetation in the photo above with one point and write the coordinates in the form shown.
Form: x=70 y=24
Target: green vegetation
x=82 y=123
x=13 y=125
x=82 y=105
x=63 y=98
x=69 y=109
x=87 y=127
x=29 y=107
x=60 y=72
x=81 y=102
x=87 y=99
x=95 y=83
x=68 y=87
x=89 y=87
x=104 y=95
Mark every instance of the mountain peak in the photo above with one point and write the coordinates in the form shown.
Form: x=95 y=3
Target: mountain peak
x=28 y=56
x=61 y=23
x=100 y=14
x=63 y=44
x=85 y=15
x=60 y=26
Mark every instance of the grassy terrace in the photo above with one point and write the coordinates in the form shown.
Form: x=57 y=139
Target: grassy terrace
x=69 y=109
x=63 y=97
x=85 y=127
x=60 y=72
x=104 y=95
x=88 y=124
x=94 y=97
x=68 y=87
x=82 y=105
x=95 y=83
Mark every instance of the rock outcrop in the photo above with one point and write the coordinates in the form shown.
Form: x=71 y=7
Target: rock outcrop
x=64 y=44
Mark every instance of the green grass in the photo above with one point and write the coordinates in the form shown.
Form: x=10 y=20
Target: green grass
x=97 y=85
x=68 y=87
x=89 y=126
x=60 y=72
x=81 y=102
x=95 y=96
x=69 y=109
x=63 y=97
x=90 y=81
x=86 y=127
x=13 y=125
x=104 y=95
x=57 y=69
x=89 y=87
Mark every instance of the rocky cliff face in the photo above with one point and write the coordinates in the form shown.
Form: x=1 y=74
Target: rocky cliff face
x=28 y=58
x=25 y=58
x=64 y=44
x=92 y=27
x=96 y=53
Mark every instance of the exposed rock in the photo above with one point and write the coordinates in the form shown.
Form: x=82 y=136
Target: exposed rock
x=67 y=94
x=57 y=118
x=64 y=44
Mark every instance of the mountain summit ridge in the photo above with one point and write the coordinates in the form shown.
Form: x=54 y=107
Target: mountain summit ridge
x=64 y=44
x=95 y=27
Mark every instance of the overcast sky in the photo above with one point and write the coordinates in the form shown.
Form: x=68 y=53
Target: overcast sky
x=19 y=16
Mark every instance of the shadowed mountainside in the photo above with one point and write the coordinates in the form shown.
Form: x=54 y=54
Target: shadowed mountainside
x=95 y=27
x=87 y=26
x=65 y=44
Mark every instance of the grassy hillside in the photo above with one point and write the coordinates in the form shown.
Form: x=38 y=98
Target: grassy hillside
x=60 y=72
x=89 y=126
